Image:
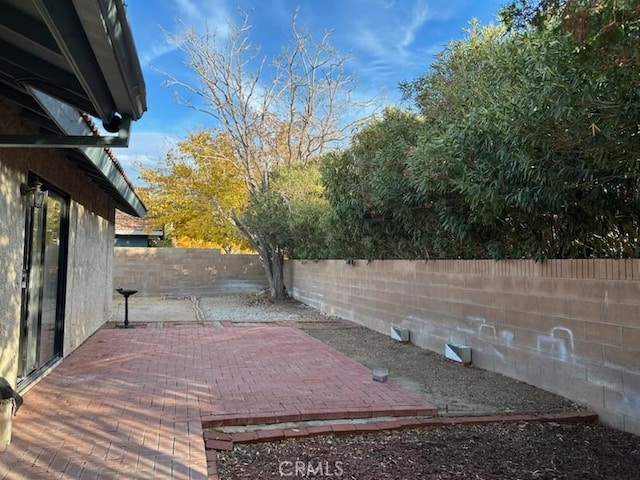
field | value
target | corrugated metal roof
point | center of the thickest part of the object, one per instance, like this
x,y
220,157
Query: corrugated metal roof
x,y
80,52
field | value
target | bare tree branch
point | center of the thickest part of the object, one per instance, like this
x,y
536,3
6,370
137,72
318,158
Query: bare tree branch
x,y
283,112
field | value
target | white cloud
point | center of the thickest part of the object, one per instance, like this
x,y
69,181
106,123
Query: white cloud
x,y
419,16
203,14
397,40
197,14
389,36
146,149
148,56
189,8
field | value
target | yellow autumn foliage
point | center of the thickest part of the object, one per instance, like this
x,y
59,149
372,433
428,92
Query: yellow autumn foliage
x,y
194,190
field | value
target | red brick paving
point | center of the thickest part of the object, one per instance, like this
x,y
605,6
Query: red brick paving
x,y
130,403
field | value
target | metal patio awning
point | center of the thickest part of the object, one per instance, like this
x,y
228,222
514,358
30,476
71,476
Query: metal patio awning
x,y
80,53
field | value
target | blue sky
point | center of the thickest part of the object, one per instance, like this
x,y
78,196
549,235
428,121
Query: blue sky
x,y
388,41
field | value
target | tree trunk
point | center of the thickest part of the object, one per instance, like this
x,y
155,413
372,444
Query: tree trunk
x,y
278,290
272,260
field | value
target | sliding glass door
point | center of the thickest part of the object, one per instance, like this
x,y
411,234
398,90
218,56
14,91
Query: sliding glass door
x,y
43,285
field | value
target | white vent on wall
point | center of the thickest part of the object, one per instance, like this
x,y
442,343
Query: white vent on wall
x,y
458,353
399,333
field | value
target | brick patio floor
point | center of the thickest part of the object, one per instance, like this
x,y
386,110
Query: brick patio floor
x,y
130,404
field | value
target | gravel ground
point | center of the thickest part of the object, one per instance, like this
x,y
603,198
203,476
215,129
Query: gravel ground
x,y
493,451
254,308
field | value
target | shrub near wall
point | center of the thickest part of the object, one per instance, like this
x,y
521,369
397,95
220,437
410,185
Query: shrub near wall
x,y
183,272
569,326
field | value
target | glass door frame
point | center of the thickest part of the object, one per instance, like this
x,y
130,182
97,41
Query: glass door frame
x,y
33,296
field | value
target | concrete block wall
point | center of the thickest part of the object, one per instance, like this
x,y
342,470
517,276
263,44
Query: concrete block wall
x,y
568,326
182,272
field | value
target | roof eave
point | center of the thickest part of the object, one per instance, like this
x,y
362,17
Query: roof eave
x,y
107,28
106,46
70,122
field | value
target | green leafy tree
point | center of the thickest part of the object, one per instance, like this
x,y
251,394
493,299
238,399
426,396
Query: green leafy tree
x,y
376,213
539,146
293,214
525,144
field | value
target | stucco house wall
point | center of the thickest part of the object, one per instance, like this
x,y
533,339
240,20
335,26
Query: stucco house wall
x,y
90,255
89,274
11,241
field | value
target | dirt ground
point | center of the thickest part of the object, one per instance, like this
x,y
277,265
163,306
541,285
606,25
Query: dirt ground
x,y
453,388
491,451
